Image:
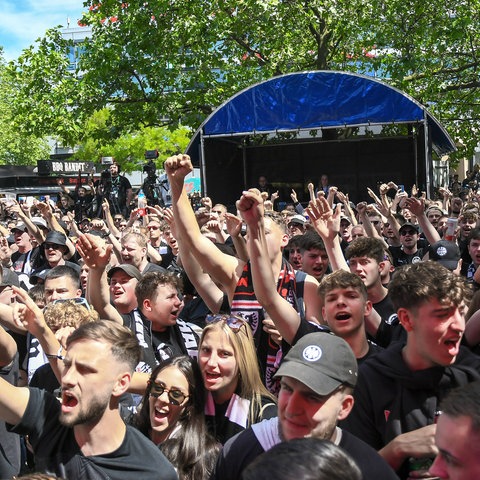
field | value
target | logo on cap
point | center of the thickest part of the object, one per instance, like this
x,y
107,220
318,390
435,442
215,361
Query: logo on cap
x,y
441,251
312,353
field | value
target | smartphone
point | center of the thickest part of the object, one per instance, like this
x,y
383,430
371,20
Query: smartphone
x,y
402,188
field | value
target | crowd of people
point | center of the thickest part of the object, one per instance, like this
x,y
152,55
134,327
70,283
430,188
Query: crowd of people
x,y
323,341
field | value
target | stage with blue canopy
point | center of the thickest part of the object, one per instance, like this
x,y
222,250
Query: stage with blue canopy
x,y
295,127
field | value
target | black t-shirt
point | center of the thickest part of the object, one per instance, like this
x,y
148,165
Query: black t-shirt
x,y
401,258
57,452
244,448
390,330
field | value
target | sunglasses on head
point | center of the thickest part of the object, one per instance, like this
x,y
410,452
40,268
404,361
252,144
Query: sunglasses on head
x,y
175,396
235,323
78,301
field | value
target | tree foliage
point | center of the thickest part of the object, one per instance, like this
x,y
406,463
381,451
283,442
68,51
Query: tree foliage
x,y
171,62
16,146
129,149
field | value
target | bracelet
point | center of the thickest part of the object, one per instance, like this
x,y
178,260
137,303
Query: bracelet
x,y
57,355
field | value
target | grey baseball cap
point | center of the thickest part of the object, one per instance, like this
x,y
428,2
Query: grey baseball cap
x,y
322,362
130,270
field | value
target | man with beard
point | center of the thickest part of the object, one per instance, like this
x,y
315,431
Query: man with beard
x,y
83,436
317,380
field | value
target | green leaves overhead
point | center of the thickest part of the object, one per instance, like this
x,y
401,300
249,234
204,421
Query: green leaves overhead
x,y
171,62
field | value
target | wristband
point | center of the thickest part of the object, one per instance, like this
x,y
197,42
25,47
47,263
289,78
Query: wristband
x,y
57,355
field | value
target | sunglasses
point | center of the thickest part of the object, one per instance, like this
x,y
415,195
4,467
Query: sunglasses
x,y
52,246
175,396
235,323
78,301
408,232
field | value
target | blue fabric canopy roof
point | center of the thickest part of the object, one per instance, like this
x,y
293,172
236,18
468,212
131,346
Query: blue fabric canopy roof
x,y
320,99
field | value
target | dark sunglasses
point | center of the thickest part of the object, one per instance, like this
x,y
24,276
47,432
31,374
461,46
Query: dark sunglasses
x,y
408,232
52,246
175,397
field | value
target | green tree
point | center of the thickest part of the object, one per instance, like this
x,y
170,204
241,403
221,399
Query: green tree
x,y
171,62
16,146
129,149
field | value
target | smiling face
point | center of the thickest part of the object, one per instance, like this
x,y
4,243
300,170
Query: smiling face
x,y
434,333
218,365
302,412
88,380
164,415
344,310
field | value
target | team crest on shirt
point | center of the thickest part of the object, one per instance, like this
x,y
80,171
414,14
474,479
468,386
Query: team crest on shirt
x,y
312,353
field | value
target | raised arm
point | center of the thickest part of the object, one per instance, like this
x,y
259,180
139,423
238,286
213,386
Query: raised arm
x,y
417,207
31,317
96,254
13,400
46,211
107,215
326,223
224,268
203,283
284,316
234,229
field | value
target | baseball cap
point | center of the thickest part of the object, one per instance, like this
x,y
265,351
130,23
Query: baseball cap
x,y
58,238
322,362
130,270
445,252
39,222
408,224
37,275
9,278
298,219
20,226
344,217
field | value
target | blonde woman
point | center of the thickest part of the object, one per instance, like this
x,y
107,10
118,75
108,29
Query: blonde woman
x,y
236,396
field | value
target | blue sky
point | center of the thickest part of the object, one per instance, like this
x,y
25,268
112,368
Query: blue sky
x,y
23,21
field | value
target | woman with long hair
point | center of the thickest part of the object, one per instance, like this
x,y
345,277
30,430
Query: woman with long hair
x,y
172,416
236,396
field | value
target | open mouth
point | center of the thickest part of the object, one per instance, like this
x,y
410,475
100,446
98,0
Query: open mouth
x,y
343,316
69,402
160,414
